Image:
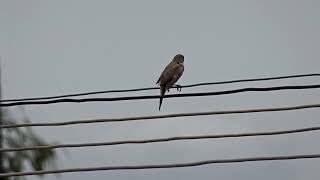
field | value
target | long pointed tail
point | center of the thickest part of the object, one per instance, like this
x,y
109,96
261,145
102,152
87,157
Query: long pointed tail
x,y
162,91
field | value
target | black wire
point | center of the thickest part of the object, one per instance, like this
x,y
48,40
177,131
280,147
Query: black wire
x,y
162,166
167,139
125,98
153,88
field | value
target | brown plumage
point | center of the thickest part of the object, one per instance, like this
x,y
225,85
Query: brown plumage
x,y
170,75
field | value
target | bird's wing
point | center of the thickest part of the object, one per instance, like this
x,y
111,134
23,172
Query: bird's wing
x,y
165,71
176,73
168,77
169,73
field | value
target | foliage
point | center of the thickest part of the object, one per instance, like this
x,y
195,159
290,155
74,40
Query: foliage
x,y
18,161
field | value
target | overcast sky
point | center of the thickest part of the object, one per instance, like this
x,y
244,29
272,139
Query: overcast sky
x,y
62,47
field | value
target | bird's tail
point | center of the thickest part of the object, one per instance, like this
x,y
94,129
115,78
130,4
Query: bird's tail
x,y
162,91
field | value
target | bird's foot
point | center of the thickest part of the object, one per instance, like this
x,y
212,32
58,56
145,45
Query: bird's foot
x,y
179,87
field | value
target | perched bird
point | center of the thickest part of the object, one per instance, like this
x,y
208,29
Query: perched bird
x,y
170,75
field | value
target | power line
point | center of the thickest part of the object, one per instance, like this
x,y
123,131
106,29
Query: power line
x,y
153,88
139,118
276,88
162,166
177,138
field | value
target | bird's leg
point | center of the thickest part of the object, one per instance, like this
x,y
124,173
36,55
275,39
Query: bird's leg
x,y
177,86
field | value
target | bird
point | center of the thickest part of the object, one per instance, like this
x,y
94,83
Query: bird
x,y
171,75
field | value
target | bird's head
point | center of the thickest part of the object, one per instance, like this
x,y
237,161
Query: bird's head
x,y
179,58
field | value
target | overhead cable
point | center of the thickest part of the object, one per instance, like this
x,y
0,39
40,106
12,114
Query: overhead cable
x,y
163,166
177,138
153,88
139,118
126,98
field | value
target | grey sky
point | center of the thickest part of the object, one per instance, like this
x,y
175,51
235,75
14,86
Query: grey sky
x,y
62,47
